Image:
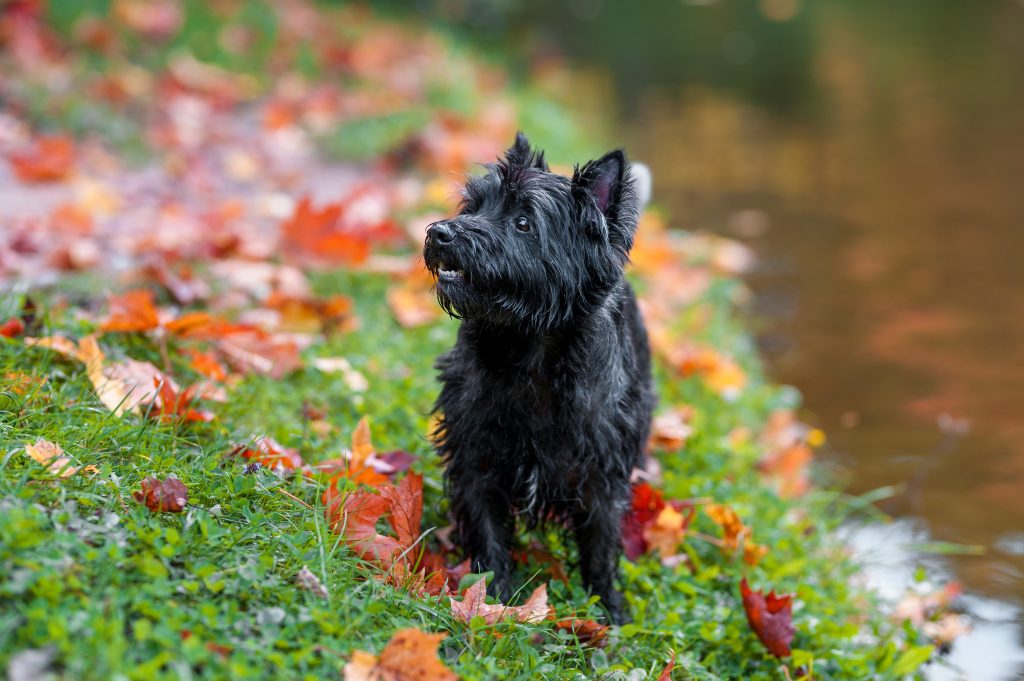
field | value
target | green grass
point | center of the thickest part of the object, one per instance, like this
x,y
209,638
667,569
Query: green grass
x,y
113,587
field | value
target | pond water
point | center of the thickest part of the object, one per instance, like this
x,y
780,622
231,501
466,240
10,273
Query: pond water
x,y
872,153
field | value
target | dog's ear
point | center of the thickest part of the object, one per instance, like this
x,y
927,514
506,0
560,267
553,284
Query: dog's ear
x,y
520,154
609,183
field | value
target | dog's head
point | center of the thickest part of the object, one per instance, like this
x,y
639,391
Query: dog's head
x,y
533,249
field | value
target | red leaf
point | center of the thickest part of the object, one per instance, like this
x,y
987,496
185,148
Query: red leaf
x,y
771,618
162,495
666,673
50,160
356,517
174,404
12,327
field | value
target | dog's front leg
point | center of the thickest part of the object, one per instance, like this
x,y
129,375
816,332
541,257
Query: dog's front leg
x,y
598,535
485,530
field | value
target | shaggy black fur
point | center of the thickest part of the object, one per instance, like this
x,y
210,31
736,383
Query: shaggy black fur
x,y
546,399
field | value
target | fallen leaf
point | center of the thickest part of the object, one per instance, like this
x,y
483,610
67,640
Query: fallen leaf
x,y
130,312
172,403
307,581
666,673
51,455
667,531
355,381
473,604
12,327
587,632
50,160
919,608
270,453
120,386
206,364
410,655
788,468
735,534
356,516
671,430
771,618
358,465
947,629
162,495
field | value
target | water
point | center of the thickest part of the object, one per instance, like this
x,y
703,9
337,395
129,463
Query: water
x,y
873,153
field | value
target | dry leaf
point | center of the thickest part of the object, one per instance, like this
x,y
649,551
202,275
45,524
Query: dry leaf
x,y
131,311
51,455
410,655
771,618
50,160
169,495
473,604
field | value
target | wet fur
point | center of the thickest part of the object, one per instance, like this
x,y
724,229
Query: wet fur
x,y
546,396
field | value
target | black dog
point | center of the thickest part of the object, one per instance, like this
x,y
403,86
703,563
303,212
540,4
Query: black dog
x,y
546,400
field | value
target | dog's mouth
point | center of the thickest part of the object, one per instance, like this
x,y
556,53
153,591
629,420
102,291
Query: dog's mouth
x,y
450,273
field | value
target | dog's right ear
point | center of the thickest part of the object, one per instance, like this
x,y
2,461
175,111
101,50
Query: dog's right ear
x,y
608,183
520,154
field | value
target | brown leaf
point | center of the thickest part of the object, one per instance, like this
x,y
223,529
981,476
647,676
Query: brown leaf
x,y
587,632
172,403
162,495
131,311
771,618
473,604
410,655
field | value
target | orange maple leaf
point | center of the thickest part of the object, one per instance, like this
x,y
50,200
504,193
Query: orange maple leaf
x,y
410,655
356,516
131,311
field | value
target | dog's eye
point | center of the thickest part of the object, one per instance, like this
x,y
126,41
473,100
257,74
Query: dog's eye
x,y
522,224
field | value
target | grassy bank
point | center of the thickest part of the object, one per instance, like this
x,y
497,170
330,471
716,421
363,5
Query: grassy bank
x,y
227,116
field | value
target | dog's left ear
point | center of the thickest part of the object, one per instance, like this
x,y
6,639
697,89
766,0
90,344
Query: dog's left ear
x,y
608,182
520,154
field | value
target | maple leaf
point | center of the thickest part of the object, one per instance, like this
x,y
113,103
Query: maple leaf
x,y
771,618
410,655
666,673
304,314
270,453
473,604
668,529
206,364
162,495
735,534
131,311
174,403
356,516
647,503
50,160
318,234
587,632
358,466
51,455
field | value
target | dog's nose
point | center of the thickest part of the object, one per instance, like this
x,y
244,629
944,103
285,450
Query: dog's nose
x,y
441,232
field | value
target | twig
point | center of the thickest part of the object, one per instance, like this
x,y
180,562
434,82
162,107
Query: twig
x,y
292,497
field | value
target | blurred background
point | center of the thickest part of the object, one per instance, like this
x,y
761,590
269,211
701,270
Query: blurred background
x,y
871,152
